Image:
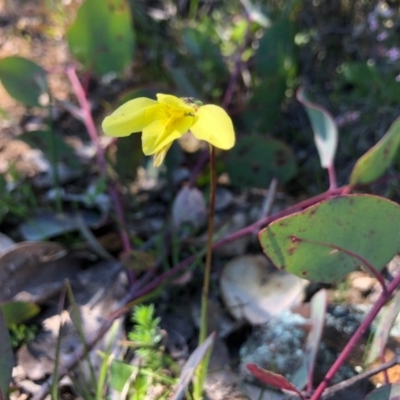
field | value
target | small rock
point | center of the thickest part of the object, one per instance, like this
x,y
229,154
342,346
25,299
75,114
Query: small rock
x,y
276,346
189,210
362,282
239,246
18,373
223,199
29,386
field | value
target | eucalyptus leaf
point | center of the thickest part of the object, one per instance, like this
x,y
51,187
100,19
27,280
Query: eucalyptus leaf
x,y
256,160
377,159
276,50
101,37
264,106
325,242
23,79
16,312
324,128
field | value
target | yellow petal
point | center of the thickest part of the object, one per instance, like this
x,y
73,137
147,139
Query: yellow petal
x,y
214,126
159,157
163,132
131,117
175,103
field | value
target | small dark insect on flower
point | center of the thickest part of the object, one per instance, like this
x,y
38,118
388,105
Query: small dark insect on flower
x,y
192,101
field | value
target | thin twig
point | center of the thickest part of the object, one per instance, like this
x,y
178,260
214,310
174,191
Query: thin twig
x,y
269,201
82,350
237,235
360,377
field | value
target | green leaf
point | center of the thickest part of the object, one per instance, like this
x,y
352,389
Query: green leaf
x,y
24,80
16,312
192,364
120,373
368,81
201,47
386,392
275,62
376,160
276,51
361,75
313,243
324,128
264,107
101,37
256,160
6,359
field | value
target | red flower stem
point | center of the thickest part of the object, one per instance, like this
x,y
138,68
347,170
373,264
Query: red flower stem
x,y
383,298
210,234
86,114
88,121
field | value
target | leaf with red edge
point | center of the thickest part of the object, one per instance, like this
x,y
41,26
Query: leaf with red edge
x,y
324,128
272,379
327,241
374,163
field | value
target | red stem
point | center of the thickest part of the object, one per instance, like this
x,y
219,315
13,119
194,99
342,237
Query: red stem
x,y
94,137
383,298
234,236
332,177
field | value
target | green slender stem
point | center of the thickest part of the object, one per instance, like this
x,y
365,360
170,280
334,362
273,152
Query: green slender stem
x,y
194,5
202,369
210,234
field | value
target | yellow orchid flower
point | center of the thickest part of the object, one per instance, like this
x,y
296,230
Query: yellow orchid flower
x,y
167,119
